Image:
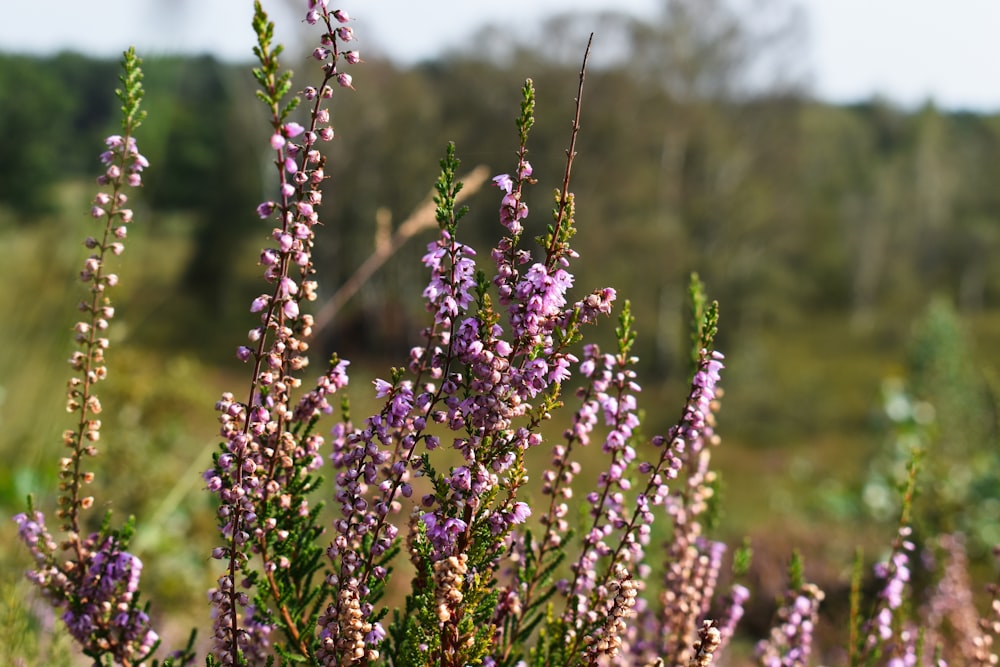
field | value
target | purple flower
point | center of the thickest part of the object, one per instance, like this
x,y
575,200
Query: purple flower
x,y
292,130
504,182
382,388
520,512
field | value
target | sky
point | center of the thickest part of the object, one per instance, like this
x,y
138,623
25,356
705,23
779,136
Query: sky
x,y
907,51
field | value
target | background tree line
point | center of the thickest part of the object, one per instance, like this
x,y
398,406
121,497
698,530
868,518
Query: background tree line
x,y
701,150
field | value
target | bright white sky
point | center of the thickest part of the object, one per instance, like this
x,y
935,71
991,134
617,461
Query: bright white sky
x,y
905,50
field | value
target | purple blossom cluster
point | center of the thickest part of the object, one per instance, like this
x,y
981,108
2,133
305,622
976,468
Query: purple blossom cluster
x,y
97,594
888,632
791,639
609,393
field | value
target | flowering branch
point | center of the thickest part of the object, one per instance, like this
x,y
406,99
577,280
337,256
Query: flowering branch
x,y
262,473
94,579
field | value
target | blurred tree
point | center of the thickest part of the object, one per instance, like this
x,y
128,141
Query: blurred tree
x,y
36,152
947,407
210,173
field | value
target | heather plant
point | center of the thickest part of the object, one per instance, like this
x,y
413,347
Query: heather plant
x,y
504,569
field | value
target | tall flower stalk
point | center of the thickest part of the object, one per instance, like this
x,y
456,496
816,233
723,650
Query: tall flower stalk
x,y
91,576
263,473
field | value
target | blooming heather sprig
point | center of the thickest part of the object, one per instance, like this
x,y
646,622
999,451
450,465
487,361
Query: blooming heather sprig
x,y
262,472
732,614
123,167
950,612
610,531
790,641
492,377
93,580
886,631
692,562
98,596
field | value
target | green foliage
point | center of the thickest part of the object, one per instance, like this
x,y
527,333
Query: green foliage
x,y
131,92
796,571
274,82
29,634
704,320
742,558
447,187
942,407
35,152
527,118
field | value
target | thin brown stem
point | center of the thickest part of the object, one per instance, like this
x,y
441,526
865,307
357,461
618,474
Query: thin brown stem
x,y
564,195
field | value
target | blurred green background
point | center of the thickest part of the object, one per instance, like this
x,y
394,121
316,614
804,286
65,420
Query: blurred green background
x,y
851,248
